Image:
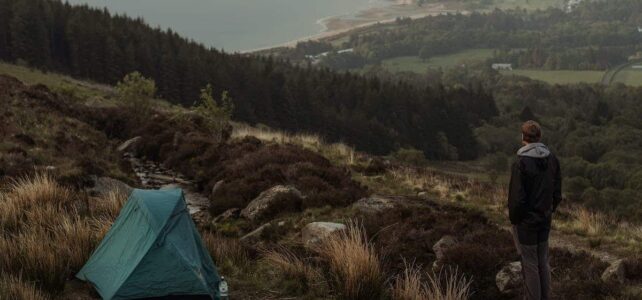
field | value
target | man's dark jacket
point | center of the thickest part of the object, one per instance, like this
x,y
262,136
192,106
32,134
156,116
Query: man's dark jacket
x,y
535,187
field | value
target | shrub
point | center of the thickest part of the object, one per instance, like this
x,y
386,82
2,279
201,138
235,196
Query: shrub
x,y
354,266
410,156
137,92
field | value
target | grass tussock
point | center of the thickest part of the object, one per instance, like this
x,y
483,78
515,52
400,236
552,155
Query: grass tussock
x,y
228,253
292,265
49,231
447,285
15,288
353,264
588,222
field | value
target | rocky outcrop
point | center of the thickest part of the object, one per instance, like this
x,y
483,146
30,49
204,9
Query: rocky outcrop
x,y
313,233
128,144
374,204
615,272
277,199
509,278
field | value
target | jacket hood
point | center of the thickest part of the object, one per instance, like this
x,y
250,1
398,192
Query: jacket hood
x,y
535,150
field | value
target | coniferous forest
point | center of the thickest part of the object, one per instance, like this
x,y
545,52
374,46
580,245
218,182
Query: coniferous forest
x,y
371,114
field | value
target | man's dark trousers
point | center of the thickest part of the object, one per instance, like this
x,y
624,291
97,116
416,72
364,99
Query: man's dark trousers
x,y
532,245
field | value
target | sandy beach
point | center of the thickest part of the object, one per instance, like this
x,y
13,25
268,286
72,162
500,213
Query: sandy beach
x,y
338,25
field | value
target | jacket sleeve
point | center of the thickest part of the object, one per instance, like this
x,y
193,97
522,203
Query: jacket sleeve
x,y
557,185
517,198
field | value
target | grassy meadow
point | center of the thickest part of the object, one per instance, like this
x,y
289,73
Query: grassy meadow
x,y
560,76
629,76
418,65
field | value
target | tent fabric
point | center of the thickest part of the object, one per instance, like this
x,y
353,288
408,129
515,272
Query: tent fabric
x,y
152,250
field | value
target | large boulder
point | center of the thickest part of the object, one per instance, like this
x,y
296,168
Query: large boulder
x,y
509,278
315,232
277,199
615,272
103,185
374,204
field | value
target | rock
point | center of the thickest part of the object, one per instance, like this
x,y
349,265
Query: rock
x,y
277,199
128,144
422,194
315,232
373,204
615,272
104,185
255,235
226,215
509,278
441,246
217,187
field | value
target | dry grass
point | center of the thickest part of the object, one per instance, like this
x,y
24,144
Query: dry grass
x,y
226,252
447,285
334,151
588,222
354,266
15,288
48,232
292,265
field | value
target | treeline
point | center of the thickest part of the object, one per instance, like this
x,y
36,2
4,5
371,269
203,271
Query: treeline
x,y
373,115
610,28
589,58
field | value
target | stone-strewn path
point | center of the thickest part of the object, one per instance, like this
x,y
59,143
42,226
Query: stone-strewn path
x,y
154,176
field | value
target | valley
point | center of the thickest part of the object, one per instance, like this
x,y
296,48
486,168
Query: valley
x,y
369,161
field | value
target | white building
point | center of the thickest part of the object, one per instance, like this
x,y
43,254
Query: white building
x,y
498,67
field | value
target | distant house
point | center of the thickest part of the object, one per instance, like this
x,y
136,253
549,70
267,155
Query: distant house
x,y
498,67
315,59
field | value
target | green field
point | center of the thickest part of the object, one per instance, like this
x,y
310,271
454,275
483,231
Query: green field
x,y
418,65
559,76
528,4
53,80
629,76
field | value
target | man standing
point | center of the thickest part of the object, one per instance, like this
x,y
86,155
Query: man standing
x,y
534,193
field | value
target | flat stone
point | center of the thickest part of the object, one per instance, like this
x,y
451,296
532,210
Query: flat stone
x,y
374,204
313,233
128,144
615,272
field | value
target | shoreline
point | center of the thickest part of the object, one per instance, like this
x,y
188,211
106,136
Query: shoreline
x,y
340,24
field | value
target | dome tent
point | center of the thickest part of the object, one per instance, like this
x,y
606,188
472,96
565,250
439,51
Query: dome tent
x,y
152,250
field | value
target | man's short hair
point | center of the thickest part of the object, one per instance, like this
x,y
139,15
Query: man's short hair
x,y
531,131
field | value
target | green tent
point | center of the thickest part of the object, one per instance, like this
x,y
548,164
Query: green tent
x,y
152,250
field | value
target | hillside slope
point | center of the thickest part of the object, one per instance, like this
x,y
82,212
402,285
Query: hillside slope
x,y
401,211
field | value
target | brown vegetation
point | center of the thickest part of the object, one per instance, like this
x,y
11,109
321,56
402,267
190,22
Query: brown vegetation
x,y
48,232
